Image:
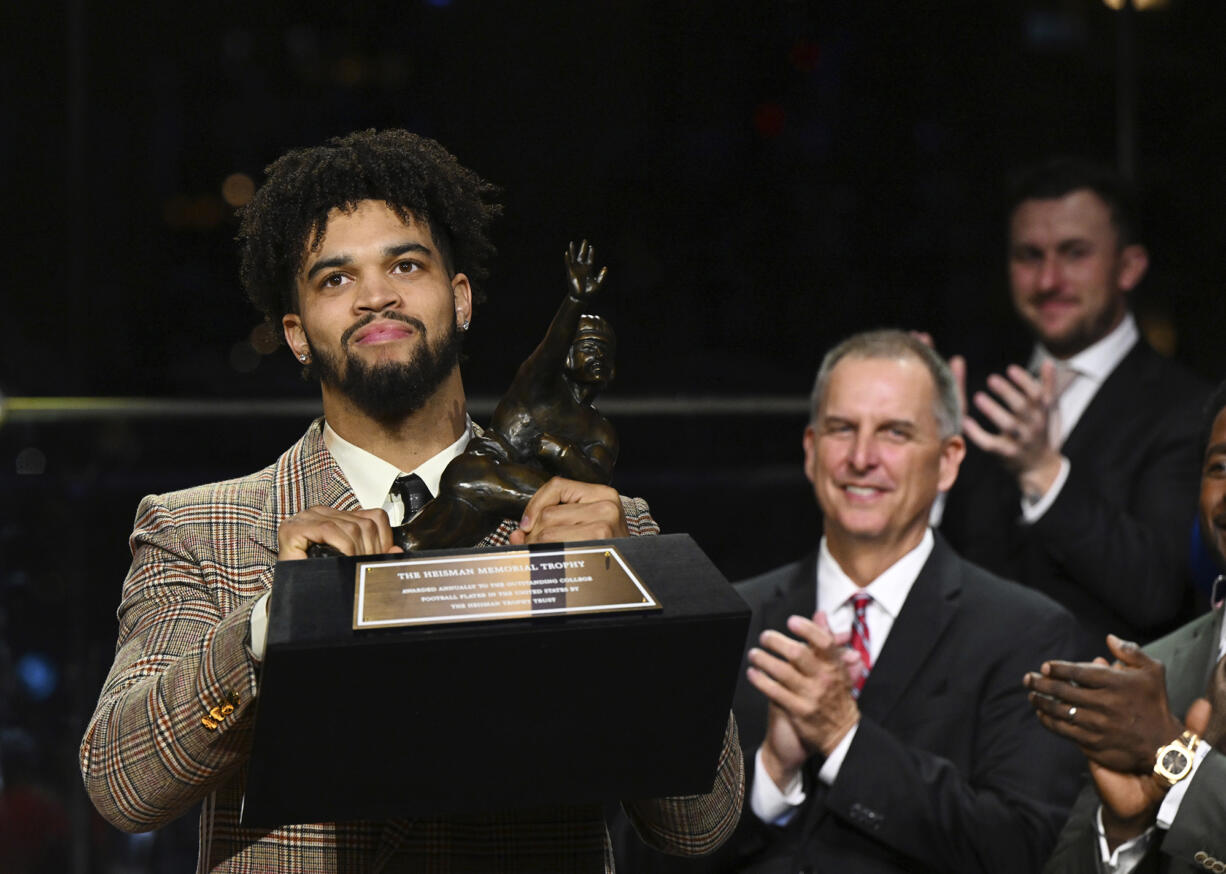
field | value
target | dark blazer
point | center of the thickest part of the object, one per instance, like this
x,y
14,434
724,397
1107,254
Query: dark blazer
x,y
1189,655
949,770
1113,547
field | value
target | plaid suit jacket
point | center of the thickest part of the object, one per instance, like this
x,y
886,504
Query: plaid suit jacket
x,y
173,723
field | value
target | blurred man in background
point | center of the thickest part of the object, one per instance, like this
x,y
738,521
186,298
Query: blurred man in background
x,y
1083,482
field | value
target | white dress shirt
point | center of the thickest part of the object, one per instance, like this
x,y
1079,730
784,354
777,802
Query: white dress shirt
x,y
1090,367
371,479
834,590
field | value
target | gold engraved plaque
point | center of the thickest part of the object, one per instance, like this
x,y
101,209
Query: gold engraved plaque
x,y
503,585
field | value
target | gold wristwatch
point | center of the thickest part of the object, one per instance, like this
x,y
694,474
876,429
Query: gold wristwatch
x,y
1174,760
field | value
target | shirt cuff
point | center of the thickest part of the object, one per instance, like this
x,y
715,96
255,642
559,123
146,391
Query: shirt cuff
x,y
259,627
1170,804
1033,510
1127,855
768,803
830,768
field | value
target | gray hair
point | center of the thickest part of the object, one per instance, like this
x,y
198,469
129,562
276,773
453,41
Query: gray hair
x,y
892,343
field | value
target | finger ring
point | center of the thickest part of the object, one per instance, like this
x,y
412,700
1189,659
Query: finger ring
x,y
1014,434
1072,714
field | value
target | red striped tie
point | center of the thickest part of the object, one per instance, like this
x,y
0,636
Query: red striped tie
x,y
860,637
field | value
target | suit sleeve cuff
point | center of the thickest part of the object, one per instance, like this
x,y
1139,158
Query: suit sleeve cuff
x,y
1170,804
259,627
1127,855
768,803
1033,509
829,770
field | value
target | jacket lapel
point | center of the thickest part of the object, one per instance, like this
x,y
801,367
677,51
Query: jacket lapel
x,y
795,596
1118,392
928,609
1211,650
306,475
1190,663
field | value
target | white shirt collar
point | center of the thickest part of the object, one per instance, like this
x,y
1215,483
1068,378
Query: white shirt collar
x,y
1098,360
371,477
889,590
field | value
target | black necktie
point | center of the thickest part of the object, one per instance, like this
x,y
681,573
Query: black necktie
x,y
412,492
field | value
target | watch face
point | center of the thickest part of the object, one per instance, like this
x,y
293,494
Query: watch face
x,y
1174,762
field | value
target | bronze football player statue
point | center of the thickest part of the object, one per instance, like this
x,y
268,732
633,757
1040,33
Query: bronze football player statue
x,y
544,426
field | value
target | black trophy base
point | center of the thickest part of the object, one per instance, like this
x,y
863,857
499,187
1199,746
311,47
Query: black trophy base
x,y
484,716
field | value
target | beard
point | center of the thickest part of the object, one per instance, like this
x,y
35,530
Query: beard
x,y
391,391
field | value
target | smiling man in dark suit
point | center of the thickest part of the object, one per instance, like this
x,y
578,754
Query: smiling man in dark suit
x,y
889,732
1083,484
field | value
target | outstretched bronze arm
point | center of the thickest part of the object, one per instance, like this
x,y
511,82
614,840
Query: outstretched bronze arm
x,y
583,284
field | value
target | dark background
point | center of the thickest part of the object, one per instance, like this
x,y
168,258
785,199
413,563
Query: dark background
x,y
761,178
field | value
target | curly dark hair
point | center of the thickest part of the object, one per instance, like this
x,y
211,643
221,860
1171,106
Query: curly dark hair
x,y
414,175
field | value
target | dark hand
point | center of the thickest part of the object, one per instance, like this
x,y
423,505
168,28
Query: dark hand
x,y
1121,714
565,510
583,285
360,532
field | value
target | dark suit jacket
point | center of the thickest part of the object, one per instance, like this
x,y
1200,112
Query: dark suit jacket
x,y
949,770
1200,826
1113,547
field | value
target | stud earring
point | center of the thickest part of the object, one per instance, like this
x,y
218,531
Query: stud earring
x,y
302,357
464,327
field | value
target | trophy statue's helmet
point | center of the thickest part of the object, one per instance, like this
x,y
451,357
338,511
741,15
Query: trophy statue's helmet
x,y
598,327
591,351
